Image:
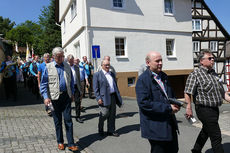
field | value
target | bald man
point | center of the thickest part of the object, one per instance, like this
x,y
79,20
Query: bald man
x,y
157,115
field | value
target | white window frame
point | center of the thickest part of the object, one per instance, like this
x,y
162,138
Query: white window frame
x,y
194,27
196,46
64,26
125,48
173,43
73,9
77,50
213,46
172,8
117,7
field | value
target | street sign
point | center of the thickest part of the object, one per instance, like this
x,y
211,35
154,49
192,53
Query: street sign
x,y
96,51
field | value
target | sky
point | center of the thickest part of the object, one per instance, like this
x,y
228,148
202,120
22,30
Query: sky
x,y
21,10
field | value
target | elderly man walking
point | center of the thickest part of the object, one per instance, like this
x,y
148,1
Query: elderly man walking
x,y
157,115
57,88
206,88
107,96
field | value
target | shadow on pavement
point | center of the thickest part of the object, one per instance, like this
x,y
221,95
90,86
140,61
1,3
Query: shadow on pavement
x,y
24,97
129,128
89,116
91,107
226,147
128,114
90,139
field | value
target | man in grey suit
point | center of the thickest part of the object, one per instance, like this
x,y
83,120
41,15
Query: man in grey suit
x,y
107,96
77,86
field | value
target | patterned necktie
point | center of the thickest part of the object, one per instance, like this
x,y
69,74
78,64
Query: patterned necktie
x,y
158,79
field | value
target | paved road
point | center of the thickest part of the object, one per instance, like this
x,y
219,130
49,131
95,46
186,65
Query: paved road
x,y
25,128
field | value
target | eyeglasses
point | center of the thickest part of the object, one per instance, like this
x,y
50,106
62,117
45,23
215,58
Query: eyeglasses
x,y
59,56
106,64
210,58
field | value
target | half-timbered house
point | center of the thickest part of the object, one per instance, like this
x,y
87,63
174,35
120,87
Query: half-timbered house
x,y
209,34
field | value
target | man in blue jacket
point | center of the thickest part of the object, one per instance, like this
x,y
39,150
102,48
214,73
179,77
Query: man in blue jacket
x,y
107,96
157,120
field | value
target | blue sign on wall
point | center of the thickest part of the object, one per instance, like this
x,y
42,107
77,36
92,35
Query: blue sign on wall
x,y
96,51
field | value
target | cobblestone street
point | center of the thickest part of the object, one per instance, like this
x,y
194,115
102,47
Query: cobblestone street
x,y
26,128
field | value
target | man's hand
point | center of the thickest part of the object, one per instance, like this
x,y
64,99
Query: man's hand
x,y
175,108
47,101
100,102
188,98
189,111
87,83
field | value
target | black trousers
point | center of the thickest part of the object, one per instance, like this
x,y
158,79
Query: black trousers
x,y
77,102
165,146
10,86
209,117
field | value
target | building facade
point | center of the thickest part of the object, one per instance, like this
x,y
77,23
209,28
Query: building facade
x,y
127,30
209,34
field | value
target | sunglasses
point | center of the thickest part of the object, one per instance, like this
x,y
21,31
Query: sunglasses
x,y
210,58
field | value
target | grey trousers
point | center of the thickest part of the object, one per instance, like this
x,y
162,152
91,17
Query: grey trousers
x,y
109,113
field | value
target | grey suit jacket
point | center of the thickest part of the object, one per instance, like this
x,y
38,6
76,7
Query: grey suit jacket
x,y
102,89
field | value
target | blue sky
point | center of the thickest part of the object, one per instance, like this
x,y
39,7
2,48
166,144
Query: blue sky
x,y
221,10
22,10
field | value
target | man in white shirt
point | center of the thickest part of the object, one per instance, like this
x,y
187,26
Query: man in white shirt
x,y
107,98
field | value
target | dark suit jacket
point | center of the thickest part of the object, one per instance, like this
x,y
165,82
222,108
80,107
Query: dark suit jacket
x,y
102,89
156,117
76,68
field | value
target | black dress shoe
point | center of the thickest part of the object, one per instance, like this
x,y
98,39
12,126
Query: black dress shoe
x,y
115,134
79,120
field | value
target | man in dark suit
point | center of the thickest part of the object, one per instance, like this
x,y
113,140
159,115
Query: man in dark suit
x,y
77,86
157,119
107,96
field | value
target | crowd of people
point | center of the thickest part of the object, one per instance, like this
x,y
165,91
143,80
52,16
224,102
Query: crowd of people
x,y
61,81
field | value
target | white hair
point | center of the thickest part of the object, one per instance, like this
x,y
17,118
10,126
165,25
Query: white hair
x,y
70,56
57,50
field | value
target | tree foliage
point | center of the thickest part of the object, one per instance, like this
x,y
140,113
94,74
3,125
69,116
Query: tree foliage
x,y
43,36
51,31
20,34
5,25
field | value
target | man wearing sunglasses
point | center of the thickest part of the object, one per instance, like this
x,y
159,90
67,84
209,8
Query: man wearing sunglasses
x,y
207,91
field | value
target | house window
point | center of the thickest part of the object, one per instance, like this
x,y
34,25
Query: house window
x,y
131,81
77,50
196,46
74,9
118,3
196,25
213,45
120,46
168,6
170,47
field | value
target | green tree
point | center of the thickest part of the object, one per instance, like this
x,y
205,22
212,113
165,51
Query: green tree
x,y
20,34
51,36
5,25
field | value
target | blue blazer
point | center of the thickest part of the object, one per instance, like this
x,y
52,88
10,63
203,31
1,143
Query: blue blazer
x,y
156,118
102,89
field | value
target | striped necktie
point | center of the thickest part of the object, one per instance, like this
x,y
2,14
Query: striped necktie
x,y
161,84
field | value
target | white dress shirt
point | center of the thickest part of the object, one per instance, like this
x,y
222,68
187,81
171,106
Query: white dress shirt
x,y
110,80
74,74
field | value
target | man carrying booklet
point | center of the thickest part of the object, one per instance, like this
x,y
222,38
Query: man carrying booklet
x,y
157,115
206,89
